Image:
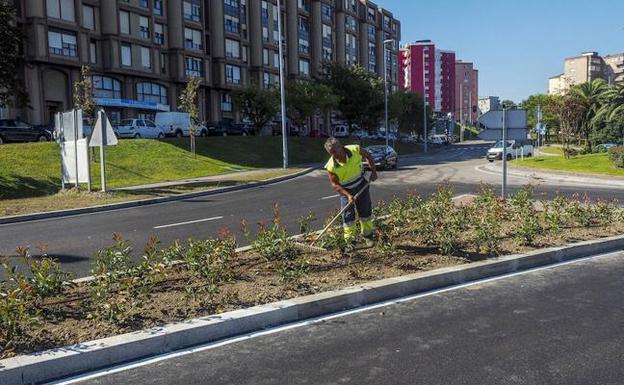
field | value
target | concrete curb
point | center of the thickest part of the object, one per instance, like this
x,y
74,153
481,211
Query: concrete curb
x,y
106,352
149,201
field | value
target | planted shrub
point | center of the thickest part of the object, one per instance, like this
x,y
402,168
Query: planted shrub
x,y
525,223
554,213
580,212
487,216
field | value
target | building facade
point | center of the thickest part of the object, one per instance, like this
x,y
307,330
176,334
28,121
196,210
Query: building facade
x,y
488,103
587,67
428,71
142,52
467,91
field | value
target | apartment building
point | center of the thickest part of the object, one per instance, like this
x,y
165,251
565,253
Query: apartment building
x,y
429,71
488,103
467,91
141,52
585,68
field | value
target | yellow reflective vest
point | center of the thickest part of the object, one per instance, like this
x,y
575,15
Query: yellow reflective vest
x,y
349,174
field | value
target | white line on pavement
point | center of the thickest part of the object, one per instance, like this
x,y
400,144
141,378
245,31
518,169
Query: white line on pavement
x,y
213,345
330,197
188,223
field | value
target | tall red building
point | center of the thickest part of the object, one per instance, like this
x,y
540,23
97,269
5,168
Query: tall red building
x,y
429,71
467,91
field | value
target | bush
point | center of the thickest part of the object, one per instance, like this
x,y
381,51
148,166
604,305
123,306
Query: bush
x,y
487,216
525,220
616,154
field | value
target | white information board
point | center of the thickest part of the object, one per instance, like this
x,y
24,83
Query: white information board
x,y
69,161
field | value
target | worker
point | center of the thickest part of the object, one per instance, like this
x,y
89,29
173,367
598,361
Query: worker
x,y
346,176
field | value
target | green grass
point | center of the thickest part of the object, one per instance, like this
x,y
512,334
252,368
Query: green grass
x,y
555,150
33,169
584,164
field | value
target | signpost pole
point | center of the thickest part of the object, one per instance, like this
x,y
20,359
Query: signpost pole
x,y
75,113
102,156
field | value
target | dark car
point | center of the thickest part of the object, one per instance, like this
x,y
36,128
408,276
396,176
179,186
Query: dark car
x,y
15,130
225,128
385,157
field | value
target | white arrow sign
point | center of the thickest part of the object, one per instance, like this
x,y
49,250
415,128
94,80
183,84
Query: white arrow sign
x,y
103,134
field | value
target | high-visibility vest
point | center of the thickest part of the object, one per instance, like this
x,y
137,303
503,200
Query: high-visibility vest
x,y
350,174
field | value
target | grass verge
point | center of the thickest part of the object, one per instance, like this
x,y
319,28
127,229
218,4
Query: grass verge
x,y
598,164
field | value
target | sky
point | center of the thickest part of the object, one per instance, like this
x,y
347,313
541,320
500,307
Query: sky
x,y
515,44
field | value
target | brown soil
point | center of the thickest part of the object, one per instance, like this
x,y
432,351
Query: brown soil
x,y
64,320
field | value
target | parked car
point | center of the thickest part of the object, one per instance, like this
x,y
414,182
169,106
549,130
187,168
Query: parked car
x,y
513,149
15,130
226,127
176,124
341,131
384,156
139,128
439,139
604,147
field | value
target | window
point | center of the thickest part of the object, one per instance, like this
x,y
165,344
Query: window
x,y
146,57
151,92
61,9
350,5
193,67
230,7
350,23
232,24
126,55
88,19
304,35
232,49
304,67
163,63
192,39
232,74
276,59
327,12
124,22
265,57
159,34
266,79
144,31
93,52
143,3
226,103
192,10
303,4
62,43
372,32
158,7
106,87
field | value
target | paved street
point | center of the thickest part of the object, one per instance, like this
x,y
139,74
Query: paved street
x,y
558,325
74,239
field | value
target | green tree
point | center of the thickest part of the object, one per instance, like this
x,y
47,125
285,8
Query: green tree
x,y
590,95
259,105
509,104
11,60
546,103
189,104
569,108
406,108
83,93
360,94
305,98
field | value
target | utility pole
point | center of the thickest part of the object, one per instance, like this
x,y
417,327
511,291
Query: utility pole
x,y
282,91
424,102
504,156
385,59
461,112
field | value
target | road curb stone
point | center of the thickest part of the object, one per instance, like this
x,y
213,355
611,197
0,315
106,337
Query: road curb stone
x,y
106,352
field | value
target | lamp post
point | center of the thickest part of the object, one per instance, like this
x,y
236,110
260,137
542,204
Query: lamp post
x,y
504,154
282,92
386,88
424,102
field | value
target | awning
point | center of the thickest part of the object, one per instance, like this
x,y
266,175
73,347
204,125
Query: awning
x,y
129,103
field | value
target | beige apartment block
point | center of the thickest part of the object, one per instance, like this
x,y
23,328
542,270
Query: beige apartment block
x,y
142,52
585,68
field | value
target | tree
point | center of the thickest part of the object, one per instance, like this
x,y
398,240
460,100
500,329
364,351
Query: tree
x,y
11,89
590,96
569,108
189,104
305,98
545,102
83,93
360,94
259,105
509,104
407,109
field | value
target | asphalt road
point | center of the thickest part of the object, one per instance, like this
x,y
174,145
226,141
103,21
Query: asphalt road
x,y
559,325
73,240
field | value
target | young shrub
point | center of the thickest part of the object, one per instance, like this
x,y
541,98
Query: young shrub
x,y
487,215
387,246
554,213
524,219
210,261
305,223
580,212
438,222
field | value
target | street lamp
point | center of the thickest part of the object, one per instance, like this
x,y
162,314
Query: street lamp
x,y
504,154
386,87
282,92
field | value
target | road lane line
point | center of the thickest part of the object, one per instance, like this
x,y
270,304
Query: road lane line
x,y
330,197
188,223
312,321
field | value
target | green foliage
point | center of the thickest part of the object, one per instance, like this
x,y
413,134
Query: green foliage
x,y
546,103
11,61
15,314
211,261
616,155
407,109
554,213
525,221
305,98
305,222
487,216
580,212
257,104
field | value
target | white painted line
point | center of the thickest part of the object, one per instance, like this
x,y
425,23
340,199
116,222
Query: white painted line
x,y
213,345
188,223
330,197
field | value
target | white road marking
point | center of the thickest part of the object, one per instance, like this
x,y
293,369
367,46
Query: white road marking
x,y
188,223
330,197
312,321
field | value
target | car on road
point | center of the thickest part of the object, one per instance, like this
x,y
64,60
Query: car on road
x,y
384,156
604,147
514,149
139,128
439,139
15,130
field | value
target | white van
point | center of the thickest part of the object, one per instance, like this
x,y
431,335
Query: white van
x,y
341,131
176,124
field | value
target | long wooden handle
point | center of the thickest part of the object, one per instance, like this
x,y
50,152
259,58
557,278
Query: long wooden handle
x,y
339,214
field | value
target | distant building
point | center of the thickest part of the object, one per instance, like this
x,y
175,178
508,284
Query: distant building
x,y
466,91
585,68
439,74
488,103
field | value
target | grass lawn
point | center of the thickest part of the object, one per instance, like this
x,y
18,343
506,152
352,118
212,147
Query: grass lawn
x,y
555,150
585,164
33,169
